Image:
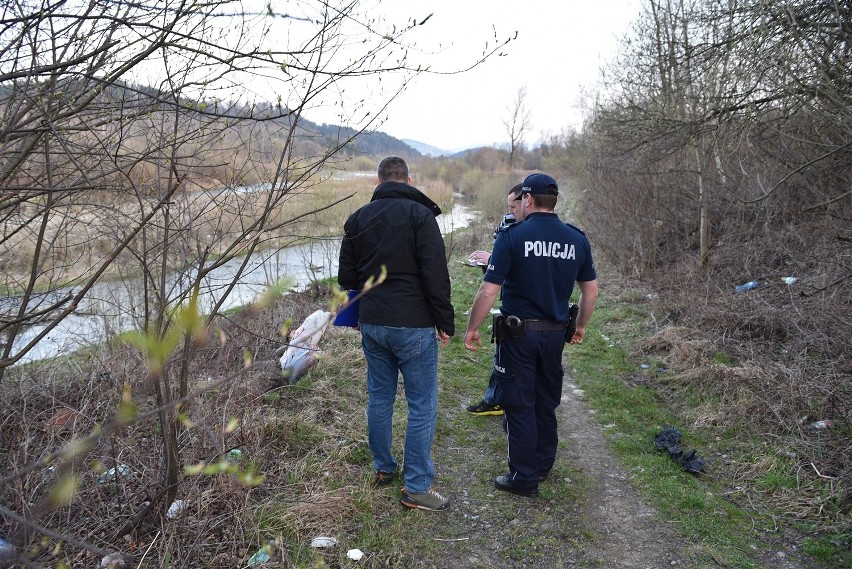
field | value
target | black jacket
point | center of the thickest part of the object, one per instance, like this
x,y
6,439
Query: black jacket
x,y
397,229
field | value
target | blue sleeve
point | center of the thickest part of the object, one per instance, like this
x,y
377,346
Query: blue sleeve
x,y
501,260
587,269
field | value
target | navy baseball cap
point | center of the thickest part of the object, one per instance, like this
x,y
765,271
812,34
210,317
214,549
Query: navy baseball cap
x,y
540,184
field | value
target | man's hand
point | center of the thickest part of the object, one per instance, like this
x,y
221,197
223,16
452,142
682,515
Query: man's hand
x,y
472,341
444,338
578,336
588,298
482,304
480,257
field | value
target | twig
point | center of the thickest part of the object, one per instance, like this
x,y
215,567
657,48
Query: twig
x,y
450,539
153,541
829,202
826,287
796,171
54,534
821,475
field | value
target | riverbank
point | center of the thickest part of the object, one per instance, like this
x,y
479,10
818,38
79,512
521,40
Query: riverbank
x,y
112,305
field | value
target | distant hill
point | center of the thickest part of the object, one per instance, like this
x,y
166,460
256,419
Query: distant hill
x,y
286,128
373,143
426,149
313,137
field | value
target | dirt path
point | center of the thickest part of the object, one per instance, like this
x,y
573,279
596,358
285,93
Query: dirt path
x,y
587,516
629,533
625,532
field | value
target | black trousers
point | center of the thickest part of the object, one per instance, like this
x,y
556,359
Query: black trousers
x,y
529,387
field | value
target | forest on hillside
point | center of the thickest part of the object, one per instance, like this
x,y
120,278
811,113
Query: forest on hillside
x,y
716,154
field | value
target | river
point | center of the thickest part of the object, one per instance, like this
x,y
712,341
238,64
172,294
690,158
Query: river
x,y
110,307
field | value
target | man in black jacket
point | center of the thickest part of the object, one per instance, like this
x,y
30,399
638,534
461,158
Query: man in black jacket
x,y
400,322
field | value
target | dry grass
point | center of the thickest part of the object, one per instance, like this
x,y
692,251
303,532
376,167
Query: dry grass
x,y
303,440
308,440
78,236
759,412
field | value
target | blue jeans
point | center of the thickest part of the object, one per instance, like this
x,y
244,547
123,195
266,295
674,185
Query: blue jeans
x,y
414,352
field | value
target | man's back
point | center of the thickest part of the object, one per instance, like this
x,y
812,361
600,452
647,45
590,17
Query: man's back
x,y
397,230
396,233
537,262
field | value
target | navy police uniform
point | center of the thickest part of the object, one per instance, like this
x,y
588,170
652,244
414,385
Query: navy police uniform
x,y
536,263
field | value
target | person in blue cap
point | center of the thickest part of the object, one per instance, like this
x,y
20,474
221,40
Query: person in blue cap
x,y
537,264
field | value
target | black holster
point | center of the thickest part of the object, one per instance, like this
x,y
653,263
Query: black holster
x,y
573,310
498,328
506,327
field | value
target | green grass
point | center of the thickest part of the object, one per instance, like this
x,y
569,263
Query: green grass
x,y
696,505
310,442
722,358
717,526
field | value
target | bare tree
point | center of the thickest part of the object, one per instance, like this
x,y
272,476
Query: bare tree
x,y
517,123
721,153
115,116
702,82
165,140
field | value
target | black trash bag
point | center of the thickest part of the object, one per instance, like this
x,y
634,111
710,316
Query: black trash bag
x,y
691,462
669,440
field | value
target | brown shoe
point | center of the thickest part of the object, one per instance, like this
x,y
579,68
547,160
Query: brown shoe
x,y
384,478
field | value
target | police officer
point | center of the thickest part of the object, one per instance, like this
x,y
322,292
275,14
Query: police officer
x,y
537,263
488,406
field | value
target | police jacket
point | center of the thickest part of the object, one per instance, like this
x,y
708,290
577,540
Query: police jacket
x,y
398,229
537,263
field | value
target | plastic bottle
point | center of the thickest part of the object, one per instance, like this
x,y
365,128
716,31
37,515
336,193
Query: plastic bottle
x,y
7,550
175,509
110,475
747,286
259,558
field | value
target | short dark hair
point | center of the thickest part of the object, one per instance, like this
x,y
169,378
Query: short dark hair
x,y
516,189
544,201
393,169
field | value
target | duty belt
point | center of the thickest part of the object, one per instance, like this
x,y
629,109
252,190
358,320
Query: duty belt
x,y
513,327
544,325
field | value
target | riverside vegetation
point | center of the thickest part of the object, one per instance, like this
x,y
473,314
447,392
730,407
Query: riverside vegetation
x,y
304,471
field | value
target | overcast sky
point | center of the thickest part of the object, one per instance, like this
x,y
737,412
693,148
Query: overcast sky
x,y
560,46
